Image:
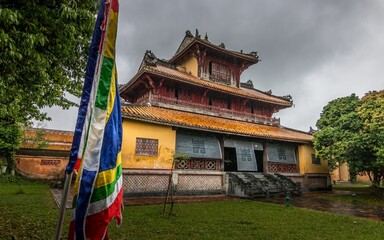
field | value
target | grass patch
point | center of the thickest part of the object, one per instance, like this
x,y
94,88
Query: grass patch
x,y
33,215
354,187
26,211
242,219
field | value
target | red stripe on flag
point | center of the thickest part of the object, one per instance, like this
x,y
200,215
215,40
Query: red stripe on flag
x,y
71,232
77,165
97,225
115,6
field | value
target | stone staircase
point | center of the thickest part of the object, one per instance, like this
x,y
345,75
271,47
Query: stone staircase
x,y
252,185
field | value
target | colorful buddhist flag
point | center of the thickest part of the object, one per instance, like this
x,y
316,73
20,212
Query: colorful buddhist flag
x,y
96,147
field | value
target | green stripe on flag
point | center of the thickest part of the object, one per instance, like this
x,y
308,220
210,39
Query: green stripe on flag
x,y
104,83
104,191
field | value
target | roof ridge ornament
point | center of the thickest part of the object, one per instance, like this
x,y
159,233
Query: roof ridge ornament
x,y
149,58
197,35
188,33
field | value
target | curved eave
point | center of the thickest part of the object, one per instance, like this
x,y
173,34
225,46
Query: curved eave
x,y
131,82
213,124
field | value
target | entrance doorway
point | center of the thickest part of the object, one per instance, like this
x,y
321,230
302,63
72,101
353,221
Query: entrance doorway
x,y
230,161
259,160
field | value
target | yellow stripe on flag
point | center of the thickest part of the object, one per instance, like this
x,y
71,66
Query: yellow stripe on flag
x,y
111,35
112,93
106,177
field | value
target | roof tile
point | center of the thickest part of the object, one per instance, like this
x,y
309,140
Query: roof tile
x,y
213,124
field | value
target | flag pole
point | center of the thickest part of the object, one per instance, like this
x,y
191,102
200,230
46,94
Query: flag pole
x,y
63,204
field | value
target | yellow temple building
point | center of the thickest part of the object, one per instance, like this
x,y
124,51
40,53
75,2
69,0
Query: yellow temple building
x,y
195,104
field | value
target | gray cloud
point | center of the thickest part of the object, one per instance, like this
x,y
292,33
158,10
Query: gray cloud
x,y
313,50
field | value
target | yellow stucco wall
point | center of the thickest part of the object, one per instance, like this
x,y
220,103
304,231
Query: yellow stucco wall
x,y
166,145
341,173
305,152
41,167
191,65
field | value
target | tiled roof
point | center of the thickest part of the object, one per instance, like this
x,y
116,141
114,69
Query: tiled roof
x,y
188,41
188,78
51,139
212,124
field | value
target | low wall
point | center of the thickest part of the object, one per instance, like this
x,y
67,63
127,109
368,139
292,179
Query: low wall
x,y
139,183
41,167
312,181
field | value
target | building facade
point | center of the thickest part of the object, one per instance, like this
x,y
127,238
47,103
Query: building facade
x,y
195,105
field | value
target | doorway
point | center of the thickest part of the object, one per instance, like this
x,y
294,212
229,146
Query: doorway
x,y
259,160
230,160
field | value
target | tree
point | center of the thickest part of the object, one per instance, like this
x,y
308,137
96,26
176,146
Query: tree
x,y
366,151
338,125
352,130
43,53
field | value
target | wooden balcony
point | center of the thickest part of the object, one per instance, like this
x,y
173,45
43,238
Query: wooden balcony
x,y
178,104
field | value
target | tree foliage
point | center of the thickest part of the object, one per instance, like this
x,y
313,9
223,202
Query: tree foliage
x,y
352,130
366,152
338,125
43,53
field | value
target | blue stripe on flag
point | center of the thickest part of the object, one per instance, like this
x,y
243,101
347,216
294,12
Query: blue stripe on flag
x,y
112,137
85,190
88,82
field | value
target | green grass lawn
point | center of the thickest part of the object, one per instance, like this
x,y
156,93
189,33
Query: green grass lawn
x,y
355,187
33,215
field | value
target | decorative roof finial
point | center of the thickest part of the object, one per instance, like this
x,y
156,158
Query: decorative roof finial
x,y
253,53
206,36
188,33
150,58
222,45
197,33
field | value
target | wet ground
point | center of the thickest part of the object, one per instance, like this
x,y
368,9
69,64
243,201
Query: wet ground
x,y
313,200
310,200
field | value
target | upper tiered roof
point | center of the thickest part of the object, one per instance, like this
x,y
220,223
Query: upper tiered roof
x,y
162,68
190,41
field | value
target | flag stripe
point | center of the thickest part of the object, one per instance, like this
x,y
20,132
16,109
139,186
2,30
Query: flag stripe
x,y
112,140
112,93
86,185
106,190
108,176
111,36
104,83
95,227
101,205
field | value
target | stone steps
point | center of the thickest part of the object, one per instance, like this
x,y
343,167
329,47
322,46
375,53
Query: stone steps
x,y
250,185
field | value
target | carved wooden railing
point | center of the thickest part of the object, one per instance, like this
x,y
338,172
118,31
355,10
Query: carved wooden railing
x,y
224,112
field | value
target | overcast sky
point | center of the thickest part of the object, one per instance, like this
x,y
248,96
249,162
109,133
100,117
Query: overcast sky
x,y
315,51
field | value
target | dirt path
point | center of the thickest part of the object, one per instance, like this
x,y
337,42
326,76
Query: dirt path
x,y
312,201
